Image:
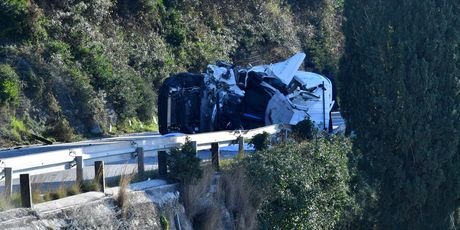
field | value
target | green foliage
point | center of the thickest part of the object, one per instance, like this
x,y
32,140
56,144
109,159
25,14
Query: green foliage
x,y
9,85
5,204
61,130
14,15
302,186
304,130
260,141
57,47
18,129
134,125
90,186
164,222
73,190
184,165
98,63
400,95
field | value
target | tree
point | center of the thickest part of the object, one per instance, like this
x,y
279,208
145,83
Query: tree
x,y
399,88
302,185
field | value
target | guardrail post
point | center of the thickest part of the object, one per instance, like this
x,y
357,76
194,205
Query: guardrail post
x,y
26,192
215,155
194,147
140,161
8,182
240,147
162,164
99,174
283,135
79,162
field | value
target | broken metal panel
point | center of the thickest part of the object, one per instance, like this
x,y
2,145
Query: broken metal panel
x,y
284,70
316,97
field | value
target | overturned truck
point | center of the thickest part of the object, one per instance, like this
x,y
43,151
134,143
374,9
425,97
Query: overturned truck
x,y
228,97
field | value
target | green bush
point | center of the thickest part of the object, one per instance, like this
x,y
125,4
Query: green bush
x,y
304,130
78,50
10,85
14,15
303,185
58,47
61,130
260,141
18,129
184,165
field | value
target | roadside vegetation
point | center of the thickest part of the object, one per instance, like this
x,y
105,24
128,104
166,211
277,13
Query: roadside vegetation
x,y
401,97
75,69
78,69
303,183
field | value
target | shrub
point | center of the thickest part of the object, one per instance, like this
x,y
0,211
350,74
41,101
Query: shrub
x,y
260,141
61,130
9,84
90,186
58,47
304,130
58,194
184,165
301,186
14,16
18,129
73,190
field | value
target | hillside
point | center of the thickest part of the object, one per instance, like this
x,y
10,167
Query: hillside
x,y
73,69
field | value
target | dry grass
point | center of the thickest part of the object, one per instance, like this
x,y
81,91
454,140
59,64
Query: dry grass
x,y
9,203
190,193
122,198
36,194
74,190
208,219
235,191
5,204
201,208
206,200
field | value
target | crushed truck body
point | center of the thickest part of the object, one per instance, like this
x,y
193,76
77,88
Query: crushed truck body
x,y
228,97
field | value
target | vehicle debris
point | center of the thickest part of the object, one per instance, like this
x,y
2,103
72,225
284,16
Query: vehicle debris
x,y
229,97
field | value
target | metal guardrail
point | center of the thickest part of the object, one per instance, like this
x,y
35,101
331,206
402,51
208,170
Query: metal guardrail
x,y
110,152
